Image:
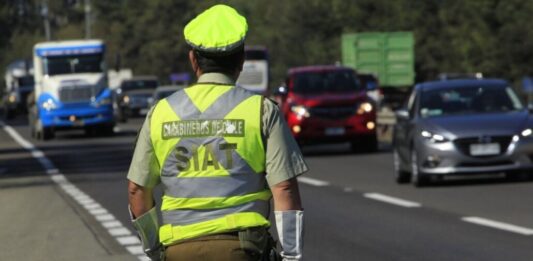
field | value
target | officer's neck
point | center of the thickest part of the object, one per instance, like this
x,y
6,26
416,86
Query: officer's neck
x,y
216,77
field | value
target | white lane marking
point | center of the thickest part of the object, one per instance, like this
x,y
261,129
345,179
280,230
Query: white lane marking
x,y
119,231
98,211
348,189
111,224
114,227
128,240
313,182
104,217
143,258
135,250
499,225
392,200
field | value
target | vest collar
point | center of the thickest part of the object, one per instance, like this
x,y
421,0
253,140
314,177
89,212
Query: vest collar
x,y
219,78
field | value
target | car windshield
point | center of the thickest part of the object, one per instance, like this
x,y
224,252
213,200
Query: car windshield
x,y
139,84
73,64
324,82
468,100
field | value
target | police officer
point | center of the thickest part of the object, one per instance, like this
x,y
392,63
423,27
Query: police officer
x,y
221,153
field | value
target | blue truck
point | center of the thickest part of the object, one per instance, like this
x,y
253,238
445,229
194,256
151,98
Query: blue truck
x,y
71,89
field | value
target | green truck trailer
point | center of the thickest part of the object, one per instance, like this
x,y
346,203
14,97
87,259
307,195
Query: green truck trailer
x,y
389,55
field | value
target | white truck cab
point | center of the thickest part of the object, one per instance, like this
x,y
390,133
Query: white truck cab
x,y
71,88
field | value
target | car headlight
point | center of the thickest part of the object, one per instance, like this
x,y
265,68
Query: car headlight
x,y
49,105
126,99
12,98
526,133
301,111
435,138
365,107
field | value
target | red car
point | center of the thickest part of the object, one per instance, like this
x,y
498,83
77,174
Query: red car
x,y
326,104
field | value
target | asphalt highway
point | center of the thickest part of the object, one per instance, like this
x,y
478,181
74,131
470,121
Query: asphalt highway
x,y
353,208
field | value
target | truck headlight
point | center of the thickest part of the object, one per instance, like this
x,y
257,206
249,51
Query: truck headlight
x,y
435,138
126,99
300,111
365,107
49,105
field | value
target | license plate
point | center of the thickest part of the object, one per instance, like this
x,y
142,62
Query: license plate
x,y
334,131
485,149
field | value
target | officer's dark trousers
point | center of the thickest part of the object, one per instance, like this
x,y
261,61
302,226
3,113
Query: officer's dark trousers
x,y
223,247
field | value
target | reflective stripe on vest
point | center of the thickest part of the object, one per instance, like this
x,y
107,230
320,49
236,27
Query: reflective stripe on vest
x,y
207,140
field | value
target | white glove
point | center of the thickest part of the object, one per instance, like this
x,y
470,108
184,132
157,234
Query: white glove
x,y
147,226
290,232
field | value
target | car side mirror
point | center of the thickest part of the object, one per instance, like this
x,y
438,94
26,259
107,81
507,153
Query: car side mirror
x,y
402,114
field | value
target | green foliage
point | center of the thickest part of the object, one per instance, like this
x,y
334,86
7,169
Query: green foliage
x,y
490,36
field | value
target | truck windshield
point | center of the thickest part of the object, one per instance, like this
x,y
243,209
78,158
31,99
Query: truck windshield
x,y
324,82
468,100
73,64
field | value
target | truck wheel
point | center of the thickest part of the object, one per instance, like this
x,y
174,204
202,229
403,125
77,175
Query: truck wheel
x,y
106,130
41,132
47,133
31,122
99,130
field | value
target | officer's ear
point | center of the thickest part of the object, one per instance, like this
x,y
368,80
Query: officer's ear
x,y
194,63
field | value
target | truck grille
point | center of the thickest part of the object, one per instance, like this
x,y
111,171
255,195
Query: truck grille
x,y
463,144
78,93
333,112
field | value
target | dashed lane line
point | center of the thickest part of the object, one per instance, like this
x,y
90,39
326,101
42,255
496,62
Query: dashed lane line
x,y
113,226
499,225
313,182
392,200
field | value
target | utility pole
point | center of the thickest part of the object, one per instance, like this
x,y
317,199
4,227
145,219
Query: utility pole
x,y
87,19
46,18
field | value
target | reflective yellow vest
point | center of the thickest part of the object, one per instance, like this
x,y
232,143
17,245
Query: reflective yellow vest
x,y
208,143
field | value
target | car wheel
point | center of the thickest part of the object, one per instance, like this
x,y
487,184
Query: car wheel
x,y
8,113
400,176
418,178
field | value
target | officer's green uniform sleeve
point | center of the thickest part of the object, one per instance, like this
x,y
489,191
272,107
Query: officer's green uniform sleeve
x,y
144,168
283,157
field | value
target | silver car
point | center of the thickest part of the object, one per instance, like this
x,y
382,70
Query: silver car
x,y
461,127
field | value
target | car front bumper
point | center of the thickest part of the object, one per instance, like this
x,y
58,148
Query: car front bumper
x,y
448,158
318,130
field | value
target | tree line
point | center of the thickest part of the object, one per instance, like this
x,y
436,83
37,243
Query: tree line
x,y
490,36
